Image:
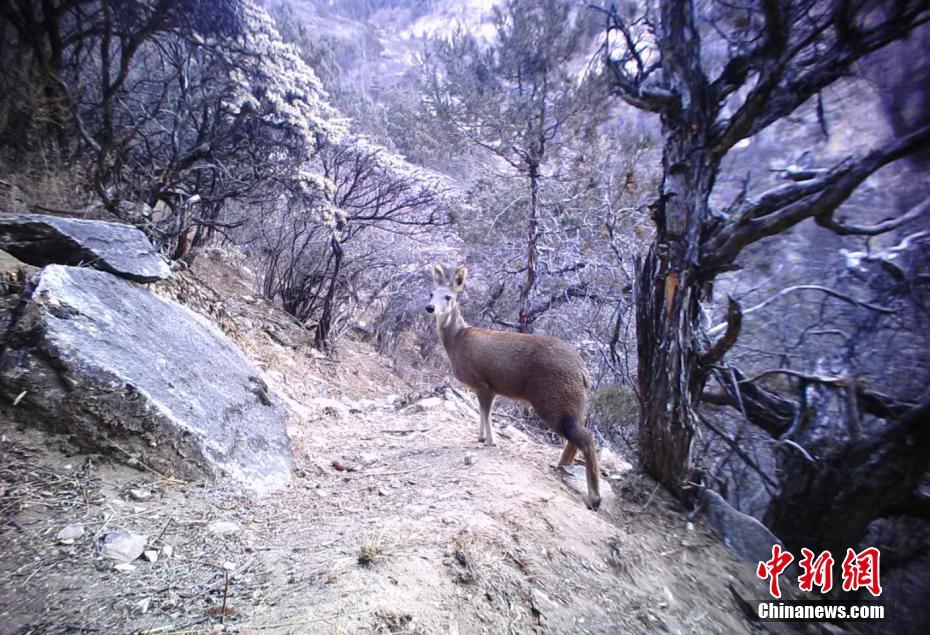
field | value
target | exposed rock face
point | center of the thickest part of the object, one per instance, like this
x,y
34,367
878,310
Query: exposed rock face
x,y
120,249
13,278
13,273
119,368
749,539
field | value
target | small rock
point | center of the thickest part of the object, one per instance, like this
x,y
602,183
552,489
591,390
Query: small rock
x,y
330,407
150,554
613,465
168,551
222,527
144,605
363,405
428,403
123,546
69,533
541,602
382,491
124,567
338,466
229,566
469,459
367,459
140,494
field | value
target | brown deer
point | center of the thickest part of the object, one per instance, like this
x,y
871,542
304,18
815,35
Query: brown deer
x,y
541,370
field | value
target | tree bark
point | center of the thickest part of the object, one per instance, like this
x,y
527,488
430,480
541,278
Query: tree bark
x,y
524,323
321,338
666,311
829,503
670,284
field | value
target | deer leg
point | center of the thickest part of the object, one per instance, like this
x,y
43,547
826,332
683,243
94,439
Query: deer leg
x,y
577,436
568,454
481,433
593,473
485,401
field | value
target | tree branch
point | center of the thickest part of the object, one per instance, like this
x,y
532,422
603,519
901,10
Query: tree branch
x,y
762,408
871,402
801,71
873,230
806,287
739,451
633,88
815,198
734,323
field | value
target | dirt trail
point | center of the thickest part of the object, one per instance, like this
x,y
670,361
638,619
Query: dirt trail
x,y
398,520
412,540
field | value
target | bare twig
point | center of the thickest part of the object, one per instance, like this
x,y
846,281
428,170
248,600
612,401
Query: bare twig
x,y
739,452
416,469
717,328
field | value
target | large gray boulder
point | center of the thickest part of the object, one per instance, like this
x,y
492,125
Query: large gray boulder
x,y
120,249
746,537
121,369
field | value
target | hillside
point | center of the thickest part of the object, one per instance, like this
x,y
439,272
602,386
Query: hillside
x,y
223,407
397,520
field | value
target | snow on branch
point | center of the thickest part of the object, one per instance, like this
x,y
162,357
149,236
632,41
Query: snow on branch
x,y
806,287
787,205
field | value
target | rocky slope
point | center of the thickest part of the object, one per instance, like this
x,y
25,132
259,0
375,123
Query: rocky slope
x,y
397,520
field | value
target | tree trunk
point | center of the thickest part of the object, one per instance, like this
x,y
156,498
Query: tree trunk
x,y
829,497
670,380
670,289
321,338
531,240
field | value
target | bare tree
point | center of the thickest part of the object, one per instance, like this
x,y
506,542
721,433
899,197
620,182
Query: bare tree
x,y
312,243
780,54
514,98
173,111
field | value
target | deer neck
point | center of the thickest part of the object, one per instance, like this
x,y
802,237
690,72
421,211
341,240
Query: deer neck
x,y
451,326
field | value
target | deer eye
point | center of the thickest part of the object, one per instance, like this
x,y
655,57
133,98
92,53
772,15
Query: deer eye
x,y
448,297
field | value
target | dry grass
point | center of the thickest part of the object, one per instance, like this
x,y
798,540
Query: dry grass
x,y
476,559
371,549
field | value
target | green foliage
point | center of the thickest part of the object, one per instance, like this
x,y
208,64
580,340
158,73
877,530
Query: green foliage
x,y
617,404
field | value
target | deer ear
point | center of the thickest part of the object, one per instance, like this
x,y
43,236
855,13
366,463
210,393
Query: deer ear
x,y
439,275
458,278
